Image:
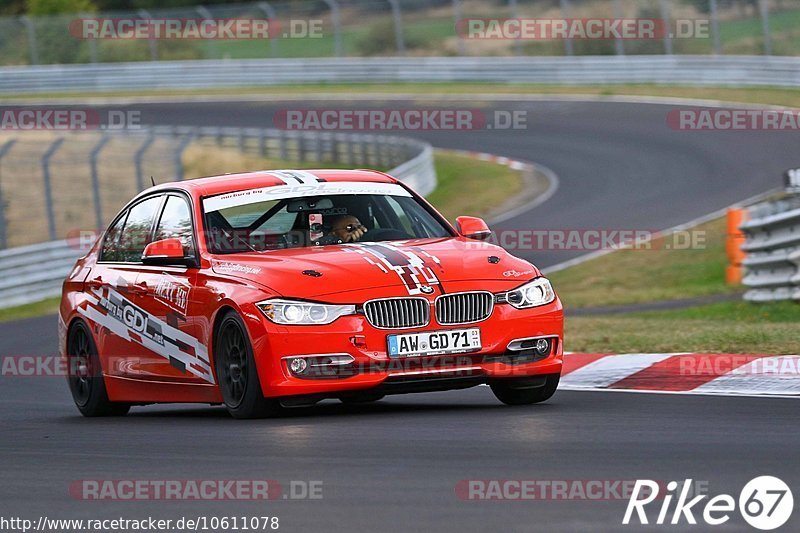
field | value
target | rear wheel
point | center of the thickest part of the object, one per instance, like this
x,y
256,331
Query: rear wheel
x,y
237,374
525,391
85,376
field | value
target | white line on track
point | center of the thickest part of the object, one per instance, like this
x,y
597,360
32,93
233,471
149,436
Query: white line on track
x,y
677,393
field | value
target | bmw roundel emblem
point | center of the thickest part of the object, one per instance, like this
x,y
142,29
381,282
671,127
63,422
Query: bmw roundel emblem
x,y
426,289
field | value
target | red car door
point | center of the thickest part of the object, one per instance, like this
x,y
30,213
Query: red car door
x,y
114,306
172,302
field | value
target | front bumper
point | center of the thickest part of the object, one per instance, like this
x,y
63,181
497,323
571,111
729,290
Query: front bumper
x,y
372,368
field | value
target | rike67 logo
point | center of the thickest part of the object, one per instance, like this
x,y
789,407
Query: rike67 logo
x,y
765,503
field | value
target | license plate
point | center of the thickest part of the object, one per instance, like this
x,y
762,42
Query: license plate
x,y
435,342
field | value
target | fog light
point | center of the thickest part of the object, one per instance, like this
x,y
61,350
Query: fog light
x,y
298,365
543,346
359,341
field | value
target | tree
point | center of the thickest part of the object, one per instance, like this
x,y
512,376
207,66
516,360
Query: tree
x,y
12,7
57,7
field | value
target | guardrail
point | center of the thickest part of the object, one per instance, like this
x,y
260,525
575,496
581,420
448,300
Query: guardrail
x,y
32,273
577,70
772,244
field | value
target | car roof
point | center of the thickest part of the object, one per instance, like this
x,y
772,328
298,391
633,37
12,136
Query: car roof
x,y
213,185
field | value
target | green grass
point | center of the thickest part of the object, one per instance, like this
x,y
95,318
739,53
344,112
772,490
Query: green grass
x,y
633,275
745,35
45,307
430,30
322,46
630,276
462,185
729,327
430,91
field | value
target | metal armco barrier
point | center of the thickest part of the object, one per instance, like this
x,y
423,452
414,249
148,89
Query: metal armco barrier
x,y
773,251
577,70
32,273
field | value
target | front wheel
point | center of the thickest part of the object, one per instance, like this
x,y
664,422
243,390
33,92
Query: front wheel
x,y
237,374
525,391
85,376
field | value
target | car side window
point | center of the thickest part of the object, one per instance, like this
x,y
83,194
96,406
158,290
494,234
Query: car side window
x,y
400,213
135,234
111,250
176,223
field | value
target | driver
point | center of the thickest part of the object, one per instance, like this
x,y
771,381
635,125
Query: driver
x,y
347,228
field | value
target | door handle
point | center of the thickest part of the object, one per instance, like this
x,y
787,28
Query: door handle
x,y
139,289
95,283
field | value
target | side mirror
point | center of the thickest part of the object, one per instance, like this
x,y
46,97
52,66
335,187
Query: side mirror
x,y
473,228
166,252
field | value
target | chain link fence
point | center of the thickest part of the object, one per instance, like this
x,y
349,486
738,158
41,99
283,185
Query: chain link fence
x,y
52,185
358,28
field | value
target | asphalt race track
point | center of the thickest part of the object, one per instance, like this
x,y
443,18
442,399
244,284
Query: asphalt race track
x,y
395,465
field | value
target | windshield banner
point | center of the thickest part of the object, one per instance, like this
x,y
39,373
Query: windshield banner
x,y
281,192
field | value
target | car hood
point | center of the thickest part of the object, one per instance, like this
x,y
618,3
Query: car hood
x,y
400,268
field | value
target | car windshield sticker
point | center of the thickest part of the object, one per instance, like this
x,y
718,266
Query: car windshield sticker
x,y
299,190
226,267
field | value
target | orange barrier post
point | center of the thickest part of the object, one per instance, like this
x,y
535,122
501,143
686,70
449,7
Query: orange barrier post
x,y
733,245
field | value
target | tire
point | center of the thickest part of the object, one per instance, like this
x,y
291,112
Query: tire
x,y
236,371
85,375
522,391
363,397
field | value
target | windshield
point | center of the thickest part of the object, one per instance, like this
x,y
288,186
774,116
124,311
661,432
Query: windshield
x,y
249,221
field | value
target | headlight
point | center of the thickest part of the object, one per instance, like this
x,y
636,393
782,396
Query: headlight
x,y
532,294
298,313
